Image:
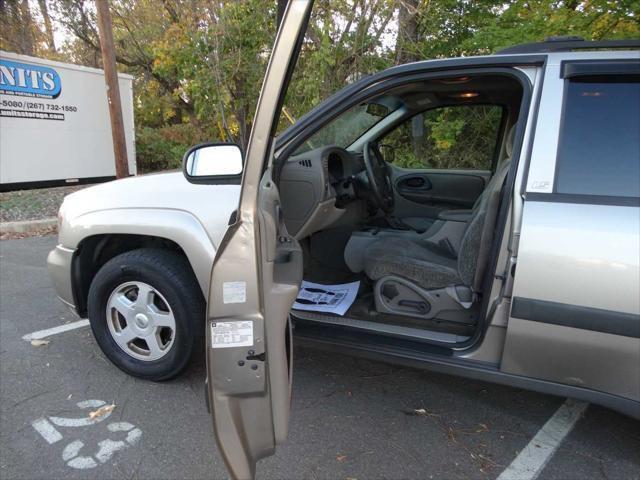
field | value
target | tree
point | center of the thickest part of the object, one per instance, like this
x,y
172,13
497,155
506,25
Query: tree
x,y
407,37
198,64
44,11
534,20
19,33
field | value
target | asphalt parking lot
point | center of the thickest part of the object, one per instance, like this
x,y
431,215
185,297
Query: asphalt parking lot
x,y
351,418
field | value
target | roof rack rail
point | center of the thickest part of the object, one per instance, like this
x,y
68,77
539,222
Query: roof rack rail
x,y
567,44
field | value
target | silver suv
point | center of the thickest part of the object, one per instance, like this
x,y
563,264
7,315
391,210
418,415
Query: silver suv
x,y
521,267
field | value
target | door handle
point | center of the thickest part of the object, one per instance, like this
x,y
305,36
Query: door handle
x,y
415,183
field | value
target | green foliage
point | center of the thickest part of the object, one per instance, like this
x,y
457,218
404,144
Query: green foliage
x,y
462,137
534,20
162,148
199,64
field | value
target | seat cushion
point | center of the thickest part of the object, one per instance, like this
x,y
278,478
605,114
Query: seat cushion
x,y
418,223
411,260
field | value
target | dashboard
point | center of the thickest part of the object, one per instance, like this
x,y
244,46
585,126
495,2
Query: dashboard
x,y
316,187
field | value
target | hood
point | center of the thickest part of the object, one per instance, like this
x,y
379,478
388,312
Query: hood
x,y
211,204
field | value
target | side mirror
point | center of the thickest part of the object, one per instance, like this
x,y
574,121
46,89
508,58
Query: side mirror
x,y
211,163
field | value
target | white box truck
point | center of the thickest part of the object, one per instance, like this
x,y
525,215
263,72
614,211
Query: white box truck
x,y
54,123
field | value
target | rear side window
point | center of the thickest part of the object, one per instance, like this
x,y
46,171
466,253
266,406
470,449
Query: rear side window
x,y
599,149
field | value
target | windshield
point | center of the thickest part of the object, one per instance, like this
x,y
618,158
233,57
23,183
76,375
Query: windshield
x,y
346,128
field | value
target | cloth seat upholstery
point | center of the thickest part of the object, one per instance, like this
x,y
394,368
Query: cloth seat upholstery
x,y
423,264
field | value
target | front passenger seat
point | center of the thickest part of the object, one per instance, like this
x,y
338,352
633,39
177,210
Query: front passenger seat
x,y
413,278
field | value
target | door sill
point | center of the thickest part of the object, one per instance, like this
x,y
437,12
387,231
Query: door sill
x,y
398,331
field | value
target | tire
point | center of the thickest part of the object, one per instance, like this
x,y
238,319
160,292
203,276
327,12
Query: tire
x,y
152,336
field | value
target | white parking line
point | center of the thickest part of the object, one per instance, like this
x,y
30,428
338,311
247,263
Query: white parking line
x,y
55,330
48,431
535,456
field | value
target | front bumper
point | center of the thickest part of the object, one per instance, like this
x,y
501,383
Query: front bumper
x,y
59,265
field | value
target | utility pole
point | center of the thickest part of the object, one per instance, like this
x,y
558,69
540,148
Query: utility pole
x,y
113,90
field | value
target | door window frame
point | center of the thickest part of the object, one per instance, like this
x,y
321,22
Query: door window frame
x,y
541,178
291,139
369,87
495,155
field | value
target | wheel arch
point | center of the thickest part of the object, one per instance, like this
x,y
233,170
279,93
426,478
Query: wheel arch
x,y
96,239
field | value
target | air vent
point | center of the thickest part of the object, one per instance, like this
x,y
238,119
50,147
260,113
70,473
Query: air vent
x,y
305,163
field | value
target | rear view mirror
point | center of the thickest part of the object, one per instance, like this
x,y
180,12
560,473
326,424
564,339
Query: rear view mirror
x,y
377,110
213,163
388,152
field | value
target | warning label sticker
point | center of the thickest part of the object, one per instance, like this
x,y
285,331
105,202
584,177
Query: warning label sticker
x,y
231,334
234,292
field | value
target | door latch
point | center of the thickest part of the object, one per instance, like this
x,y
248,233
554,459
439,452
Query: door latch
x,y
251,355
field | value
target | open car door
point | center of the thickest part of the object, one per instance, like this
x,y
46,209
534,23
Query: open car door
x,y
255,279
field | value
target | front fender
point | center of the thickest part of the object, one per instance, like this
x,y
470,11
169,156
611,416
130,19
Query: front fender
x,y
179,226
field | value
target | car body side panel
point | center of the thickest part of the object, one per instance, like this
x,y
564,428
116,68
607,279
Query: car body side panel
x,y
575,316
176,225
587,258
574,356
210,205
59,266
580,254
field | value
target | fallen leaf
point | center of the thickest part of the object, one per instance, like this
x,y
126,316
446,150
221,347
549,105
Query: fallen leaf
x,y
483,428
420,412
341,458
39,343
101,411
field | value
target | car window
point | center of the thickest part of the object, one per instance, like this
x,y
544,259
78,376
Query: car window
x,y
346,127
599,148
456,137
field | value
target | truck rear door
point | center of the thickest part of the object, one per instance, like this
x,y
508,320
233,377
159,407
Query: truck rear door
x,y
575,315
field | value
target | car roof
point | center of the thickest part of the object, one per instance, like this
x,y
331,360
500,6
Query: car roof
x,y
562,50
568,44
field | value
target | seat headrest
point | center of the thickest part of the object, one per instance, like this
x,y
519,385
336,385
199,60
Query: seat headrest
x,y
508,146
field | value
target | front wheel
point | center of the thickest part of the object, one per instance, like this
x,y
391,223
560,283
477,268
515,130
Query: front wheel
x,y
147,312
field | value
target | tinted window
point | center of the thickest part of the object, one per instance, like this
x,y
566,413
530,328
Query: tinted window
x,y
460,137
599,150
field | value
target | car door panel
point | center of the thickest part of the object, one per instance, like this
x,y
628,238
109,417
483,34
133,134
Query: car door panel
x,y
281,279
254,281
575,310
574,317
425,193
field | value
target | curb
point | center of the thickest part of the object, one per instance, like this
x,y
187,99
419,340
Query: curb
x,y
26,226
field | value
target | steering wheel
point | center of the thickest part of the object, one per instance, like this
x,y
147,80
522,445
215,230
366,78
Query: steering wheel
x,y
379,176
